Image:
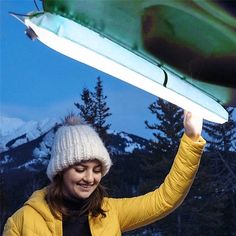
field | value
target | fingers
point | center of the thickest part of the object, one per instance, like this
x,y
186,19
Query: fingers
x,y
192,125
187,116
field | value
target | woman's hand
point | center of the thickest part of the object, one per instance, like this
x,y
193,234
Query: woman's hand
x,y
192,125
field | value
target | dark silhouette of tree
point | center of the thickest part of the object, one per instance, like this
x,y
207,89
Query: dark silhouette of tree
x,y
221,170
87,107
222,137
102,110
168,128
94,109
167,132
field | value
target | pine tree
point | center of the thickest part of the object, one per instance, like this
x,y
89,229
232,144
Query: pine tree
x,y
87,107
169,126
221,168
167,132
102,110
94,109
222,137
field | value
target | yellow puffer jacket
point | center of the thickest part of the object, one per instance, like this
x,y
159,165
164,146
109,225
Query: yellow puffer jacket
x,y
124,214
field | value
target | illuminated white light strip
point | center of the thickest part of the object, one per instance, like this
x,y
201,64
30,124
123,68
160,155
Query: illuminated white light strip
x,y
87,46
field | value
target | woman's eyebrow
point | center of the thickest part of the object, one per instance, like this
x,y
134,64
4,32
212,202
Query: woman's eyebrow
x,y
80,165
84,165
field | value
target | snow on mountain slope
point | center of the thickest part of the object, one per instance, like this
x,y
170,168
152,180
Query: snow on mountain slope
x,y
9,125
131,145
122,143
14,131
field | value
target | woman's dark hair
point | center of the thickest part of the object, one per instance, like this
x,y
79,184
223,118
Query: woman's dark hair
x,y
54,198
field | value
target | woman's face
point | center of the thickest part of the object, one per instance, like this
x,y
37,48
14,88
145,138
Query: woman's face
x,y
82,179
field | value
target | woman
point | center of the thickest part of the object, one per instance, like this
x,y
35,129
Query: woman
x,y
75,203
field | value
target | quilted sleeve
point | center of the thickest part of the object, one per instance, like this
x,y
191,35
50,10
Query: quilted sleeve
x,y
139,211
10,228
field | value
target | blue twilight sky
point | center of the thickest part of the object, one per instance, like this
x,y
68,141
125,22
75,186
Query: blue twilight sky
x,y
37,82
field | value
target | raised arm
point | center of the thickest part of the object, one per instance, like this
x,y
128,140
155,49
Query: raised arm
x,y
139,211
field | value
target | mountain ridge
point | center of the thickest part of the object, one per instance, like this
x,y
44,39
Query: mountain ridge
x,y
33,152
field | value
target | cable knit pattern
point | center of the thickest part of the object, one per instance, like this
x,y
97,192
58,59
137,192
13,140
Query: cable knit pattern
x,y
73,144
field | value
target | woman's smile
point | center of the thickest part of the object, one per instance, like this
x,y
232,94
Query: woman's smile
x,y
82,179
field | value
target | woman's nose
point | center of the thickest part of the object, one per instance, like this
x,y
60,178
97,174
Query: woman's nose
x,y
89,176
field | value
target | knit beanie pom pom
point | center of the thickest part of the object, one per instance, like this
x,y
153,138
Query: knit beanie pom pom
x,y
72,120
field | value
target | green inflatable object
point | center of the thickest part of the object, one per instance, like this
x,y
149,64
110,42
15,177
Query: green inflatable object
x,y
180,50
196,39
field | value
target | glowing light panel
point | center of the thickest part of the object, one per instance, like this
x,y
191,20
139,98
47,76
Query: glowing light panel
x,y
89,47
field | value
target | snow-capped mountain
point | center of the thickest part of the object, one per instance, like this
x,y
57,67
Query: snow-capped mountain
x,y
122,143
15,132
26,153
9,125
28,145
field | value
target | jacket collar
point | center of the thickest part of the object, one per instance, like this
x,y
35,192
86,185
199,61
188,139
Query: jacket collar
x,y
38,203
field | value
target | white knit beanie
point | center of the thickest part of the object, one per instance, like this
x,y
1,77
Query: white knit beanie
x,y
76,143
